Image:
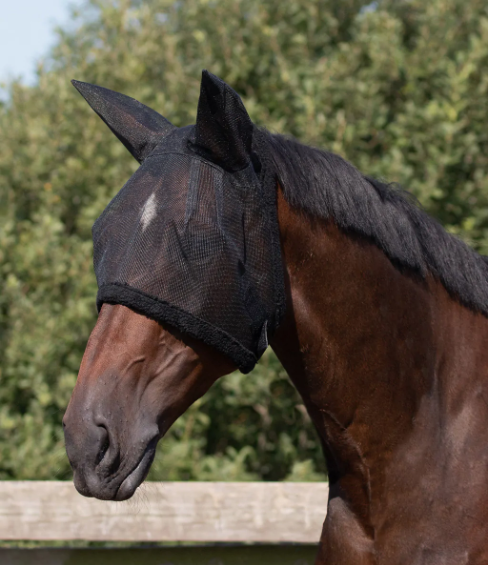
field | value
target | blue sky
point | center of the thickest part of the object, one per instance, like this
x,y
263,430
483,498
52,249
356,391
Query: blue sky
x,y
26,33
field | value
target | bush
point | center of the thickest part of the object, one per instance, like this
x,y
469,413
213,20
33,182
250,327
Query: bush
x,y
397,87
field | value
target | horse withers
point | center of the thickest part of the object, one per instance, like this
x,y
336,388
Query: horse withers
x,y
228,237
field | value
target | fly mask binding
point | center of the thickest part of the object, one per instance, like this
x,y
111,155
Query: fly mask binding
x,y
192,238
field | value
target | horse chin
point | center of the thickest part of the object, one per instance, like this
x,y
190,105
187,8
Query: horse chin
x,y
136,477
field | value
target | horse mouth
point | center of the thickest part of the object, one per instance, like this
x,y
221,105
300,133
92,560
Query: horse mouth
x,y
136,477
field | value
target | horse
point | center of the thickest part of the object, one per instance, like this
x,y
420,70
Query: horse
x,y
382,328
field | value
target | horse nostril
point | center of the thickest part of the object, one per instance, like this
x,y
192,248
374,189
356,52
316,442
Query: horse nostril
x,y
104,444
108,456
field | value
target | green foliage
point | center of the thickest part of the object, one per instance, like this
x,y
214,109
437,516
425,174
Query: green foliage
x,y
396,86
247,427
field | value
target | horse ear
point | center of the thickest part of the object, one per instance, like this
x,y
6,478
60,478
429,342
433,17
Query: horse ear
x,y
223,129
138,127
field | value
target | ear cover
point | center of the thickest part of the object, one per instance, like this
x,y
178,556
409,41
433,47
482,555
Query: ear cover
x,y
138,127
224,129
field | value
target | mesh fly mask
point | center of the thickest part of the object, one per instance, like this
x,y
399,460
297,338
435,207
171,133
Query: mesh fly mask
x,y
192,238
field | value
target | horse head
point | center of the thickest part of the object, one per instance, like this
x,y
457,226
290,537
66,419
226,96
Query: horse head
x,y
189,272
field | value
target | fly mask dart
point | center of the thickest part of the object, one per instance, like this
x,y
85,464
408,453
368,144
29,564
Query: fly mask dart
x,y
192,239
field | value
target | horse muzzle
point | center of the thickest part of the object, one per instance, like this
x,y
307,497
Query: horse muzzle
x,y
103,466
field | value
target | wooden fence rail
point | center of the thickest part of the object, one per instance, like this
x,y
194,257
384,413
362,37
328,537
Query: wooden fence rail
x,y
191,511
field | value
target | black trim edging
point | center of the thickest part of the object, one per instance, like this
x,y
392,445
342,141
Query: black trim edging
x,y
162,312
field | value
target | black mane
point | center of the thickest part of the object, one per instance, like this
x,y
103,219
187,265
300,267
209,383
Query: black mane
x,y
326,186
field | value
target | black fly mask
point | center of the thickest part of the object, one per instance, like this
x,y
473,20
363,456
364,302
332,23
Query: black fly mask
x,y
192,239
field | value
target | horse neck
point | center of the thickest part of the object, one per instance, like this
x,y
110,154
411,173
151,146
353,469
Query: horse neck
x,y
382,359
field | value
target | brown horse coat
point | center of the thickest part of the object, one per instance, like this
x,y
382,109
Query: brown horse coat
x,y
384,339
393,373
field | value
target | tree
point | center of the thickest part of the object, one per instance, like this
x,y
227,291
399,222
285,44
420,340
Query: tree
x,y
396,86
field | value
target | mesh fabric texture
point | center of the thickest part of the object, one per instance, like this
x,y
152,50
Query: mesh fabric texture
x,y
195,245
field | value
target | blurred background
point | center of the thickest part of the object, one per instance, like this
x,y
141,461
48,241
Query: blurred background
x,y
398,87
